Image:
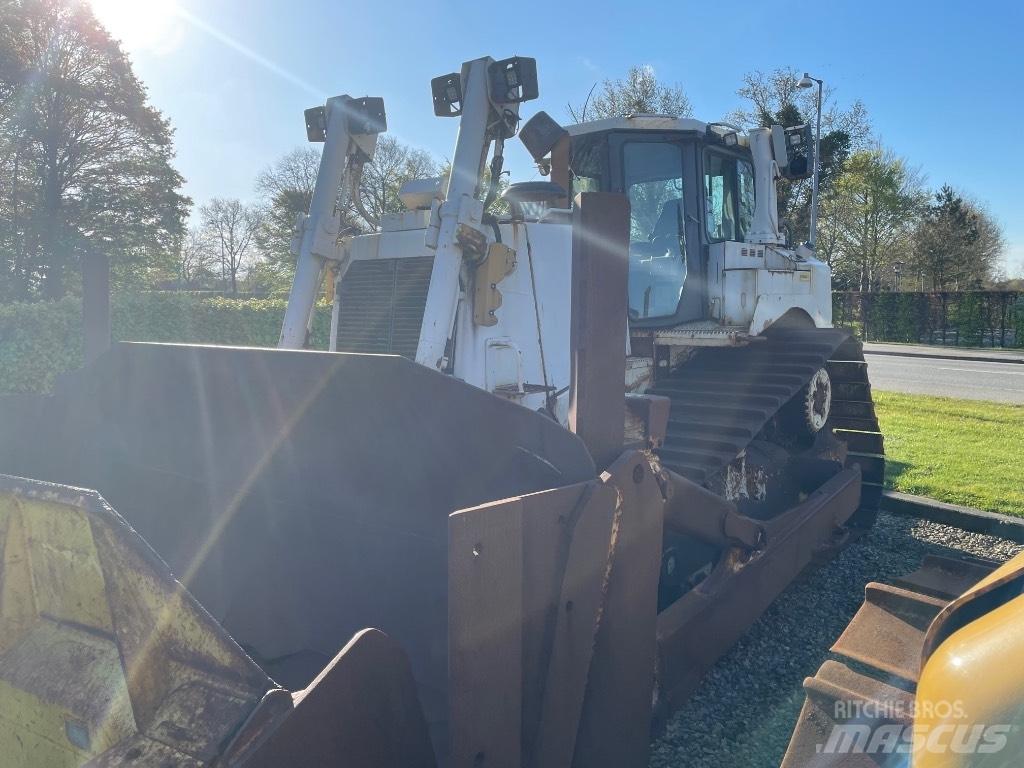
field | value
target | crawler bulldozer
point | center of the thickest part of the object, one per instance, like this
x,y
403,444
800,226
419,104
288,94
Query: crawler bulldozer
x,y
560,454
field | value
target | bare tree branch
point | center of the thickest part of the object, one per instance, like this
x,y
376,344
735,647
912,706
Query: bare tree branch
x,y
638,93
232,226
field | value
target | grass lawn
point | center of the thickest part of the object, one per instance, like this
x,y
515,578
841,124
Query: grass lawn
x,y
966,452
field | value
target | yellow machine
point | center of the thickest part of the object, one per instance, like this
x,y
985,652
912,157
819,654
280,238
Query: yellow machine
x,y
931,676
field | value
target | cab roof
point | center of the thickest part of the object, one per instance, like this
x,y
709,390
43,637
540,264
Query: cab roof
x,y
638,122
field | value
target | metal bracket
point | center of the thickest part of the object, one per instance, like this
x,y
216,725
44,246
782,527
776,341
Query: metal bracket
x,y
469,234
496,265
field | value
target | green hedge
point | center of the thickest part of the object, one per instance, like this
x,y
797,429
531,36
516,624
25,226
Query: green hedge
x,y
966,318
41,340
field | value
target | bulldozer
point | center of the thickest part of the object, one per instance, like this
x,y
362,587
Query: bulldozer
x,y
569,440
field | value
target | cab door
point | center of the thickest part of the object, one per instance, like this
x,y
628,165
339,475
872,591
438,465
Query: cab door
x,y
667,270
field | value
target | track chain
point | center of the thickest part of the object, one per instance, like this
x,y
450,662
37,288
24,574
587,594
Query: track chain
x,y
724,397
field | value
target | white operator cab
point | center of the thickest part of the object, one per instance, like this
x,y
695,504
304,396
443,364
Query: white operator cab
x,y
485,297
708,263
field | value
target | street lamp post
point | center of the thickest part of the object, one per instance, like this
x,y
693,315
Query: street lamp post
x,y
808,82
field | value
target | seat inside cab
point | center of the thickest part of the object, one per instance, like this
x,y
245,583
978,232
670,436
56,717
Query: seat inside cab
x,y
653,181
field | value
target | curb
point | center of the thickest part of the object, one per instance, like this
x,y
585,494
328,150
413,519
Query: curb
x,y
941,356
964,518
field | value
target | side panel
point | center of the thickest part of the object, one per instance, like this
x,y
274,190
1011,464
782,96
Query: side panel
x,y
526,350
533,319
756,285
739,296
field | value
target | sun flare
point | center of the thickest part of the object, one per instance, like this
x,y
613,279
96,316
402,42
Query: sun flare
x,y
141,25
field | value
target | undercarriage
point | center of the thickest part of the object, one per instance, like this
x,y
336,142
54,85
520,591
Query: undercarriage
x,y
781,431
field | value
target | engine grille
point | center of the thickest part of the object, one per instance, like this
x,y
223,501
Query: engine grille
x,y
381,305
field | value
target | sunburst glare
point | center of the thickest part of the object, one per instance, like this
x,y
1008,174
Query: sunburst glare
x,y
154,26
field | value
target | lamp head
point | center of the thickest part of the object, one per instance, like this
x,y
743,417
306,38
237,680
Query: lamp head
x,y
805,82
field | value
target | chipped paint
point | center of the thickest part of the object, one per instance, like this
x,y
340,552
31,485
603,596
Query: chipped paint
x,y
742,483
639,373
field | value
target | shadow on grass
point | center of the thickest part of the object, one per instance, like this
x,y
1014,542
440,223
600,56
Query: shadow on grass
x,y
894,470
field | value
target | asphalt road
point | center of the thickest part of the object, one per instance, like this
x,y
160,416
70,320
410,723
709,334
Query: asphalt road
x,y
971,379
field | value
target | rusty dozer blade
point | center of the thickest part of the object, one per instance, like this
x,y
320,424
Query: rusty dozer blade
x,y
300,496
106,660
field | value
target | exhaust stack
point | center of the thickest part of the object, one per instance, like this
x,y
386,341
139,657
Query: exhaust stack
x,y
765,229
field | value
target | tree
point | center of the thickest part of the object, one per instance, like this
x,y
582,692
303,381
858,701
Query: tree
x,y
286,188
639,93
198,258
873,207
957,244
393,164
772,95
231,226
293,172
990,247
834,212
86,161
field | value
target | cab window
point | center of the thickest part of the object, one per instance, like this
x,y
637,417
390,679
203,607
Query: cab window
x,y
728,196
587,166
653,182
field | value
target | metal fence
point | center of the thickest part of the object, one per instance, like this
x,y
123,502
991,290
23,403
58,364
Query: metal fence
x,y
955,318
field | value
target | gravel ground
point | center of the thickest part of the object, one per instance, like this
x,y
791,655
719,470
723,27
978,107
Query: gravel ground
x,y
745,710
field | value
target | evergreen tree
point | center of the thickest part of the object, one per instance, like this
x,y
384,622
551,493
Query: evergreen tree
x,y
956,244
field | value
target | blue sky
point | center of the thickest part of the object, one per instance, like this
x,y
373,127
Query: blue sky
x,y
942,82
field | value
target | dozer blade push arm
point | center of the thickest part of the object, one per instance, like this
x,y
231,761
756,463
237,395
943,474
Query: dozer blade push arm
x,y
693,510
485,96
349,128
